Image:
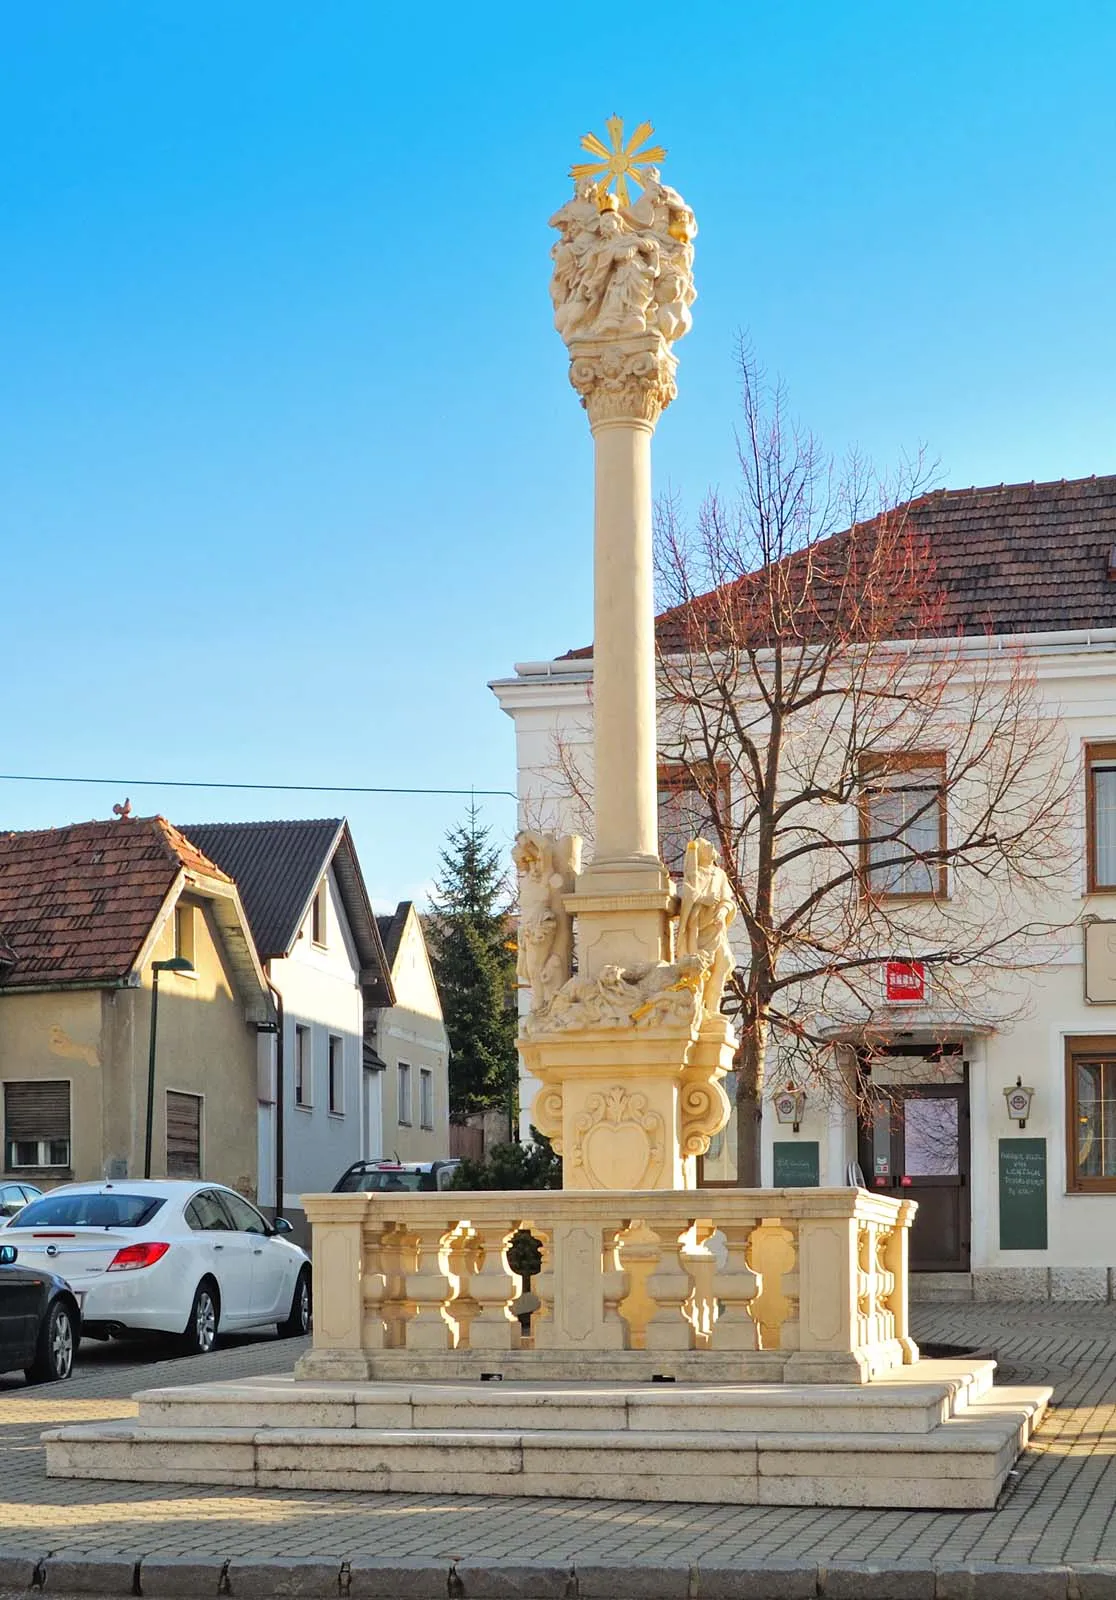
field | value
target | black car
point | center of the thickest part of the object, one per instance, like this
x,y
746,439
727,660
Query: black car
x,y
40,1323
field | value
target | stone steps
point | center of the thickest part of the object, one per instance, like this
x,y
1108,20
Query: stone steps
x,y
937,1436
916,1402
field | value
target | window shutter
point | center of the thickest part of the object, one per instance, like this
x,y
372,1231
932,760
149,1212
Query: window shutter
x,y
37,1110
183,1135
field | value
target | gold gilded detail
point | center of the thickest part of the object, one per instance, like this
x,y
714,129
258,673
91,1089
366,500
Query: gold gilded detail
x,y
617,161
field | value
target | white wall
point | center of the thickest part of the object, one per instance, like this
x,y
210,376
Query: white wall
x,y
320,986
412,1031
550,705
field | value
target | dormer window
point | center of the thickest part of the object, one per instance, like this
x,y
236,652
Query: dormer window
x,y
318,916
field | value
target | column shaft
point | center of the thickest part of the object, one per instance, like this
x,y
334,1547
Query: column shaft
x,y
625,807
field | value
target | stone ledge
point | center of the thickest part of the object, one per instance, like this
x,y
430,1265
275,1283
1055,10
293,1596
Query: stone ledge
x,y
324,1577
1001,1285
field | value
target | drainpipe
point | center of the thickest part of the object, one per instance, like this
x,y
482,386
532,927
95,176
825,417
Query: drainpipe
x,y
280,1100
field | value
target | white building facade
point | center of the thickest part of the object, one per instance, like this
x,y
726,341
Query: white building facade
x,y
411,1040
317,936
1017,1191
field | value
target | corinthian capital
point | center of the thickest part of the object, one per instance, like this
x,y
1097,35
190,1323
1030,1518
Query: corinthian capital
x,y
623,380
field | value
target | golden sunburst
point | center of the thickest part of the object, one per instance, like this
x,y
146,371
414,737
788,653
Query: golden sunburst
x,y
622,161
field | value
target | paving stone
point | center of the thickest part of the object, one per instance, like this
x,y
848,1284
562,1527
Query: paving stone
x,y
759,1580
1095,1582
260,1579
76,1572
15,1571
179,1578
494,1580
399,1580
989,1581
615,1582
866,1580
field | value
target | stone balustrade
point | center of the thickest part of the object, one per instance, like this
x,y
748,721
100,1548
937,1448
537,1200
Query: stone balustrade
x,y
794,1285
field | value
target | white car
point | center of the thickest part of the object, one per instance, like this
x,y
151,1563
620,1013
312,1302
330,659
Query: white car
x,y
172,1256
13,1198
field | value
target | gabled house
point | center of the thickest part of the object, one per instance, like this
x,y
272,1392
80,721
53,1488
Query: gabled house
x,y
86,914
316,935
996,1111
411,1040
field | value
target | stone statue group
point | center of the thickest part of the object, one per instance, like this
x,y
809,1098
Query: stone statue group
x,y
686,990
622,272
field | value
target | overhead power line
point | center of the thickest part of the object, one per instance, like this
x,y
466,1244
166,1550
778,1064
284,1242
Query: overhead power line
x,y
272,788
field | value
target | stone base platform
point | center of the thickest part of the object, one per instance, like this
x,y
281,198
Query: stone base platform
x,y
933,1435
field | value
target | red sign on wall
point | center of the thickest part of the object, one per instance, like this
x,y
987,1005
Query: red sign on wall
x,y
905,981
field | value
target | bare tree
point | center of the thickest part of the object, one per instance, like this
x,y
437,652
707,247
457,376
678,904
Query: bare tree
x,y
881,786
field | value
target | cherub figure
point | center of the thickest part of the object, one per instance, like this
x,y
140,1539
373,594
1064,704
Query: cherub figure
x,y
706,913
547,868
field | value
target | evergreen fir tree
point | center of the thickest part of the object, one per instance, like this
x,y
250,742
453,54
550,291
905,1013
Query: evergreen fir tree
x,y
474,964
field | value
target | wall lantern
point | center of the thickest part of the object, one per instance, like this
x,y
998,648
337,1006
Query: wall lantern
x,y
1019,1102
790,1106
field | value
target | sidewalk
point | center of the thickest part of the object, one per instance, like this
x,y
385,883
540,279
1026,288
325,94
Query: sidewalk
x,y
1054,1533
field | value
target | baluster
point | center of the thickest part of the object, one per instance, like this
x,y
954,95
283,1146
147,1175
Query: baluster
x,y
374,1288
735,1286
492,1287
460,1252
614,1287
636,1254
885,1286
668,1286
426,1286
869,1321
896,1257
772,1256
394,1306
702,1253
542,1286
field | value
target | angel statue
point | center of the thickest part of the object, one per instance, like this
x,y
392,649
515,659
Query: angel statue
x,y
706,912
548,868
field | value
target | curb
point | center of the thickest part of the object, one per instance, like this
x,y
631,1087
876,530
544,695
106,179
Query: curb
x,y
71,1572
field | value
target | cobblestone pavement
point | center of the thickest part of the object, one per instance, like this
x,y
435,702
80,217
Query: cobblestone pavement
x,y
1060,1509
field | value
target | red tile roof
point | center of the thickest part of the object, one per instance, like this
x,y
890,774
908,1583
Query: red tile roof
x,y
77,903
1011,558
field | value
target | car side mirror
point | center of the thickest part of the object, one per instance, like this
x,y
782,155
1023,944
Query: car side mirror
x,y
8,1254
282,1225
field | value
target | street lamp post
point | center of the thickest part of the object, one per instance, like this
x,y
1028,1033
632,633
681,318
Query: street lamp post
x,y
175,964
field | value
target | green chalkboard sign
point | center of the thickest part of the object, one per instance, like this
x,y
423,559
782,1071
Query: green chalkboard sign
x,y
796,1164
1022,1194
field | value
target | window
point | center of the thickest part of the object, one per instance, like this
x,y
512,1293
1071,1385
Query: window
x,y
302,1067
37,1124
184,914
184,1132
684,811
92,1210
336,1076
404,1095
1091,1114
902,821
206,1214
318,915
1100,815
426,1098
245,1217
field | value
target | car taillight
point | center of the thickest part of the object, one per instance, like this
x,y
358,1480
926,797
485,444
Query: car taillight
x,y
137,1255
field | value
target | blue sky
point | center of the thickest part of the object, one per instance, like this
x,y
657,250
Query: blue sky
x,y
289,466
